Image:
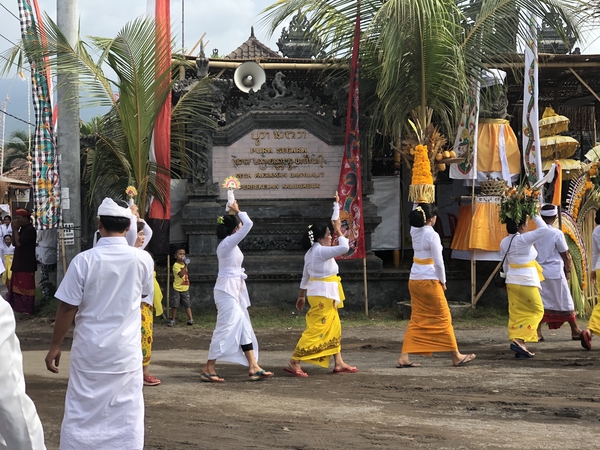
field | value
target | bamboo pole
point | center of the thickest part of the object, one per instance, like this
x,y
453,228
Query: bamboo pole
x,y
365,284
486,284
62,247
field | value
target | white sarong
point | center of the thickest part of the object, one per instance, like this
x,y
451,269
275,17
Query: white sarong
x,y
233,330
103,411
556,295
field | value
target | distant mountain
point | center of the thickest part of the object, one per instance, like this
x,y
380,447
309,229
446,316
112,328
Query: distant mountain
x,y
17,91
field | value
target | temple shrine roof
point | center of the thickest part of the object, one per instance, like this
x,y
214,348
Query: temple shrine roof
x,y
253,49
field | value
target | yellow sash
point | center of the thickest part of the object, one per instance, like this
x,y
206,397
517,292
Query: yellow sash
x,y
333,279
423,262
533,263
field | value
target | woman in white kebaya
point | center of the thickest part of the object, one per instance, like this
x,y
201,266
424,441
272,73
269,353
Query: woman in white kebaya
x,y
233,339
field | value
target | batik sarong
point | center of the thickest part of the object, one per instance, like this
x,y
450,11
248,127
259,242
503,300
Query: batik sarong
x,y
322,337
525,312
147,325
594,323
21,292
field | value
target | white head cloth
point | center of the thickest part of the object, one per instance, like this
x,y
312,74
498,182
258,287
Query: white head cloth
x,y
110,208
549,212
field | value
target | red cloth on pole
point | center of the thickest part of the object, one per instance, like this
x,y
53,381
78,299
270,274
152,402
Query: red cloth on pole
x,y
350,184
162,129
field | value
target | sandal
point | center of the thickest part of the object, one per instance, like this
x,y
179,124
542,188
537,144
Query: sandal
x,y
151,381
171,323
260,375
295,372
211,378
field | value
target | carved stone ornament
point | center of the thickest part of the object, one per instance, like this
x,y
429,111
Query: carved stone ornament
x,y
299,41
279,97
270,243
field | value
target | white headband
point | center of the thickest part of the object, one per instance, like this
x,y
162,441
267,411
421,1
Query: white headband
x,y
549,212
110,208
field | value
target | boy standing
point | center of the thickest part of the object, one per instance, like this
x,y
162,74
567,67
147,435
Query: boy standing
x,y
181,287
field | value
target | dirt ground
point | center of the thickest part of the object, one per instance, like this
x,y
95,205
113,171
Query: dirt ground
x,y
497,402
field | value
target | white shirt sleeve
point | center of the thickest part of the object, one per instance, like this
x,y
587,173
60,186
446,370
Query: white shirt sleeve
x,y
531,237
20,426
71,288
233,240
436,247
335,250
595,247
305,274
148,274
131,235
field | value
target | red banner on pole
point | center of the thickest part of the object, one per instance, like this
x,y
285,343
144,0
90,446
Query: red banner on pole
x,y
350,184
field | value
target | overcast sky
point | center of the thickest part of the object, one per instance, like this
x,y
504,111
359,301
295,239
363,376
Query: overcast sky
x,y
226,22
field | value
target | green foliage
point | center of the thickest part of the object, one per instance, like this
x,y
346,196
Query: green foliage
x,y
420,53
117,156
17,148
519,203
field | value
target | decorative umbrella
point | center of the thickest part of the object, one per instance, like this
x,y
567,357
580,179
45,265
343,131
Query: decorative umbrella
x,y
553,125
571,168
558,146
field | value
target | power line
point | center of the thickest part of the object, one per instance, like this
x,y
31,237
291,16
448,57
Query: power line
x,y
18,118
12,62
1,35
10,12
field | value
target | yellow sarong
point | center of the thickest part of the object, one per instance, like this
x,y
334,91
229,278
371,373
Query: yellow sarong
x,y
323,334
147,324
7,274
594,323
525,312
533,263
430,326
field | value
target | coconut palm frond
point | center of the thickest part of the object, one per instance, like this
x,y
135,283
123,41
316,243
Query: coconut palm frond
x,y
421,61
495,29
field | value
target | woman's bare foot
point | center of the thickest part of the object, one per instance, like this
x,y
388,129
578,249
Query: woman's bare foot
x,y
255,370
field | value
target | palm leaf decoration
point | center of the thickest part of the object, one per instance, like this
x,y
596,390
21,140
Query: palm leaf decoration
x,y
134,96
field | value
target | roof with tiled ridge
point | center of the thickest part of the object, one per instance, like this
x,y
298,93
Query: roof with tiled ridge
x,y
253,49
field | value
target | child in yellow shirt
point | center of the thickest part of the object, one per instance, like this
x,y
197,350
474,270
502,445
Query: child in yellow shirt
x,y
181,286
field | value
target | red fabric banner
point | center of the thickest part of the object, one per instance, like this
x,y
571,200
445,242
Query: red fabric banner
x,y
350,184
162,129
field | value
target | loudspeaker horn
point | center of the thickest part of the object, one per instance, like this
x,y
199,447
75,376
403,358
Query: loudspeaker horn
x,y
248,76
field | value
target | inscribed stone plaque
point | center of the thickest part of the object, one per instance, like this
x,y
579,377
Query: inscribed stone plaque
x,y
279,164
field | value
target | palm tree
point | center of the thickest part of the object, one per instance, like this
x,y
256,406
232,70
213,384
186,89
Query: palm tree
x,y
420,53
17,148
118,156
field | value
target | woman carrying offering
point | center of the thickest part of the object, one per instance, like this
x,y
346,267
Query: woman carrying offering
x,y
523,277
320,282
430,327
233,339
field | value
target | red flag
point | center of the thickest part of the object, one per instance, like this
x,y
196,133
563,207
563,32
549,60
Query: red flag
x,y
159,215
350,184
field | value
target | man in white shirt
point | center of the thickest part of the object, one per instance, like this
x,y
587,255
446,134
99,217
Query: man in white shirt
x,y
553,256
20,426
102,291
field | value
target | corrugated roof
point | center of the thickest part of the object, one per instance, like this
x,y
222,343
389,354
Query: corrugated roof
x,y
253,49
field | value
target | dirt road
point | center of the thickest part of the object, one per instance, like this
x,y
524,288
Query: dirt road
x,y
496,402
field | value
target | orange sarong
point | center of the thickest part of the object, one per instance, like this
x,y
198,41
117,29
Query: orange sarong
x,y
430,327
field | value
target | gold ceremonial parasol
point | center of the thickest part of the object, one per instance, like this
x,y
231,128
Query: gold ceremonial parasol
x,y
553,125
571,168
558,147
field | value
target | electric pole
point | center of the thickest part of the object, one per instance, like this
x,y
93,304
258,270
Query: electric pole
x,y
68,147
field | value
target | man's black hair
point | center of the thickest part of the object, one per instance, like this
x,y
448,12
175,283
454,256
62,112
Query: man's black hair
x,y
115,224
